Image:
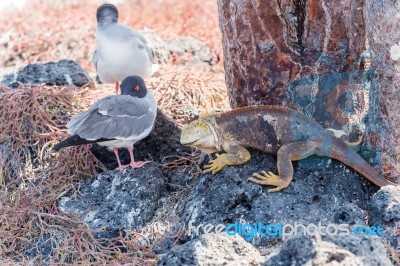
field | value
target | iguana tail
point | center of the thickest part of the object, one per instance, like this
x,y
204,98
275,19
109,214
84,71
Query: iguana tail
x,y
345,154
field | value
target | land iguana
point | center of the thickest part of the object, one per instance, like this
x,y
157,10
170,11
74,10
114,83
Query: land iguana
x,y
271,129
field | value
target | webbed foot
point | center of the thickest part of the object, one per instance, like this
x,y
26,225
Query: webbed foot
x,y
122,167
138,164
269,179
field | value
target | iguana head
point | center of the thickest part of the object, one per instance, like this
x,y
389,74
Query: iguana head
x,y
201,135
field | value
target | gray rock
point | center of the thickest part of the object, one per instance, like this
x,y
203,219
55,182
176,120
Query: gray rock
x,y
165,49
42,248
160,46
60,73
197,48
385,206
8,75
384,211
117,200
332,194
213,249
12,164
304,250
370,249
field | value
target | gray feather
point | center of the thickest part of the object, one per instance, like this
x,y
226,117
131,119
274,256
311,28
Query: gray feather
x,y
119,117
122,33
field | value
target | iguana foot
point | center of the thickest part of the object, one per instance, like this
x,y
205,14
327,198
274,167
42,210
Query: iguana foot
x,y
216,165
270,179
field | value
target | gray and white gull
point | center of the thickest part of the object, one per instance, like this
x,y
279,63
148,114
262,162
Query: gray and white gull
x,y
117,121
121,51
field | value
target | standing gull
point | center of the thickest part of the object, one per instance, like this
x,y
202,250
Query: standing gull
x,y
121,51
117,121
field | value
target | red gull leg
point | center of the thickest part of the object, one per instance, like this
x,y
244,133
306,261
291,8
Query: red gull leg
x,y
116,87
120,167
134,164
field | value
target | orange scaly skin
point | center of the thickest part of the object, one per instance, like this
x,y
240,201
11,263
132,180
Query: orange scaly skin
x,y
271,129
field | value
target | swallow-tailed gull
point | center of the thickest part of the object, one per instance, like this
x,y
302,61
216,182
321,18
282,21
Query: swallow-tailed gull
x,y
116,121
121,51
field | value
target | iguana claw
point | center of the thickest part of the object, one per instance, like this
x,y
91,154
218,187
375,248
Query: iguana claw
x,y
216,165
270,179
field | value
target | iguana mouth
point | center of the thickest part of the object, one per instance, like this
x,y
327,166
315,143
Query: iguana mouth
x,y
189,143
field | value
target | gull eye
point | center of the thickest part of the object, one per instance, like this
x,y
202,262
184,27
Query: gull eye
x,y
136,88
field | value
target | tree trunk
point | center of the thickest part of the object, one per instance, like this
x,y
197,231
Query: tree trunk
x,y
383,131
313,55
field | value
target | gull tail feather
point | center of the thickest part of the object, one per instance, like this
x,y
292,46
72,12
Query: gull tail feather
x,y
74,141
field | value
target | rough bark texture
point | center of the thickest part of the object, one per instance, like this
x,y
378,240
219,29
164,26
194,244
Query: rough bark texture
x,y
382,27
303,54
336,61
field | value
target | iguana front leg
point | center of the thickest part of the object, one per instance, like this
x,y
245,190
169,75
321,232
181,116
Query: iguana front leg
x,y
235,154
286,154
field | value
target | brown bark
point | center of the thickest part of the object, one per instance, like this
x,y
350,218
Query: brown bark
x,y
306,54
382,27
270,43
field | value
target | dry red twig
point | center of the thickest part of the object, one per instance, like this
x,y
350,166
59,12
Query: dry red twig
x,y
68,30
32,178
31,120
